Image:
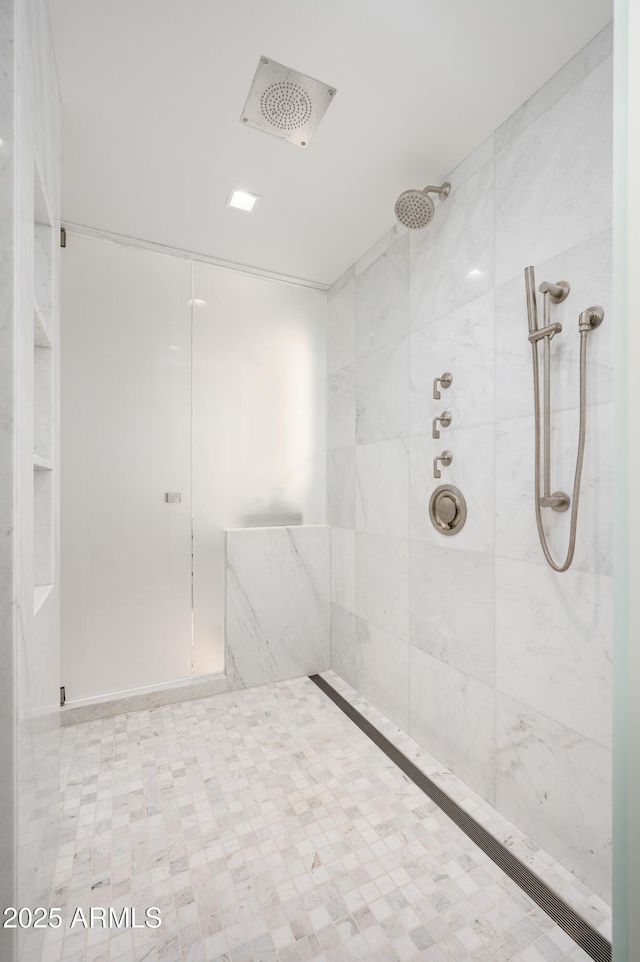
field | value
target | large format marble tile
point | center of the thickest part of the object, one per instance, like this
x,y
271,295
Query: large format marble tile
x,y
341,487
557,86
452,608
471,470
380,247
556,786
382,299
589,270
382,394
453,717
462,344
552,181
553,644
343,643
483,154
341,282
382,488
277,603
343,568
341,324
452,261
382,582
341,409
516,534
382,671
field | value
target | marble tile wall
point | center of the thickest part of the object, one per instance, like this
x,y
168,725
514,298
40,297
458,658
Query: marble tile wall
x,y
499,666
277,603
8,546
29,632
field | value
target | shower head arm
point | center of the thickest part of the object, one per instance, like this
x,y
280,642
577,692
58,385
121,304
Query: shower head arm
x,y
443,191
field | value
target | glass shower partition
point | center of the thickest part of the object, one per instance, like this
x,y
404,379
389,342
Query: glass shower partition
x,y
258,425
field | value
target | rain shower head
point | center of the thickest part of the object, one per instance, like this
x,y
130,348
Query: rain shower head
x,y
415,209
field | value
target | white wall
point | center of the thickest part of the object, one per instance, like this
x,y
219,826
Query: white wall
x,y
498,665
142,417
29,507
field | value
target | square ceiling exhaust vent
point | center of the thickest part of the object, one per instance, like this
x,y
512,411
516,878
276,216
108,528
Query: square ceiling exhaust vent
x,y
286,103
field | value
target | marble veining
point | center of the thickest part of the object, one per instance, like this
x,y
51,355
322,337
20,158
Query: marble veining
x,y
382,488
460,342
341,324
341,490
452,262
382,299
382,394
471,470
597,50
453,715
569,777
589,270
29,270
341,409
559,659
452,608
343,567
343,644
382,671
551,193
382,582
515,528
488,622
277,603
267,828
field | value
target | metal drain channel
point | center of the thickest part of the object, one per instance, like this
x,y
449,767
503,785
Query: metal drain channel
x,y
584,934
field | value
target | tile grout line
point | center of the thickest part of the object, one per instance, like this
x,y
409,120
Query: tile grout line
x,y
582,933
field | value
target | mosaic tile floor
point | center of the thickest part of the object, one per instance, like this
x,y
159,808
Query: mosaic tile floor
x,y
267,828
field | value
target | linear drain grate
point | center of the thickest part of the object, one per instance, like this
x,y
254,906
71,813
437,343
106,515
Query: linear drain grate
x,y
584,934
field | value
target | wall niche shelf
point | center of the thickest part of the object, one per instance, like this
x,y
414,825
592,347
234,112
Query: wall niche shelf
x,y
43,392
41,327
40,594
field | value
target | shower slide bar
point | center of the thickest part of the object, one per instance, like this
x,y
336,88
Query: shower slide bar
x,y
588,320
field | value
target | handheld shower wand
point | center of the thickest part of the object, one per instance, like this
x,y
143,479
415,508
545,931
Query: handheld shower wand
x,y
589,319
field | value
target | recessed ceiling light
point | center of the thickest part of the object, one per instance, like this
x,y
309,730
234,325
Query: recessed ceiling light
x,y
242,200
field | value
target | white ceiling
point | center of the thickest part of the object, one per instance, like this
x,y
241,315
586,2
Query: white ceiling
x,y
152,93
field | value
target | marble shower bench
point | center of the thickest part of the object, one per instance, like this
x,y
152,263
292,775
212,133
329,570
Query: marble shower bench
x,y
277,603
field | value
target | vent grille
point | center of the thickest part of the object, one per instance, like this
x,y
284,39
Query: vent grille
x,y
286,103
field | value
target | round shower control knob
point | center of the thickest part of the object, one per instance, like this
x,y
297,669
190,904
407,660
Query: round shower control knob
x,y
447,509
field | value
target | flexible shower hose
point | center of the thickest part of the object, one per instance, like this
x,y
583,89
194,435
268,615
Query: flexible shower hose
x,y
575,501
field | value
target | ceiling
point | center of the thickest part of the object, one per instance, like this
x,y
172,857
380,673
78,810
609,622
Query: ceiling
x,y
153,90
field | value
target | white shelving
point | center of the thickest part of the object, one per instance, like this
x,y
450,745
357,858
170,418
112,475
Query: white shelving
x,y
41,327
43,393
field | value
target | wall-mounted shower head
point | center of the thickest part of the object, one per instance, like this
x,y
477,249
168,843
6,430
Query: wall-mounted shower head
x,y
415,209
